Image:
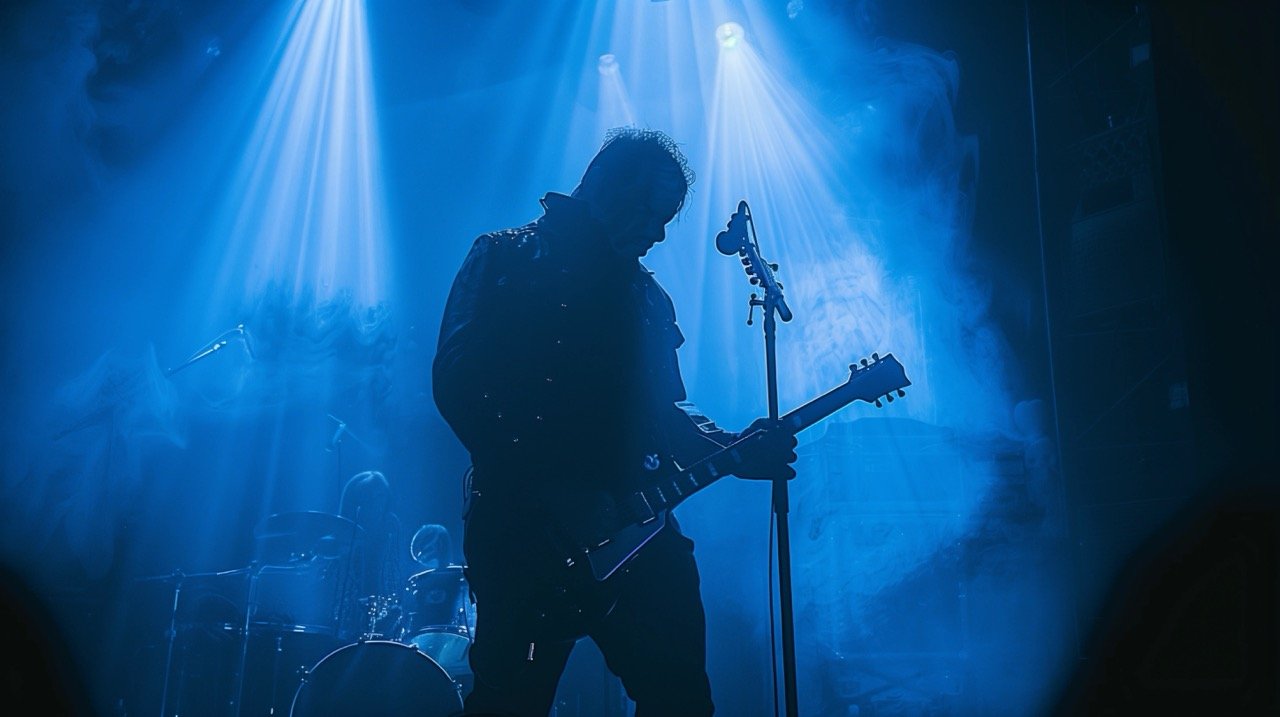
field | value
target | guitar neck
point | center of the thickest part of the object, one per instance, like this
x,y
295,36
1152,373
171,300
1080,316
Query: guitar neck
x,y
667,493
816,409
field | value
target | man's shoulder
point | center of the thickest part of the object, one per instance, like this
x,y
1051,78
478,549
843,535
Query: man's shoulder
x,y
515,242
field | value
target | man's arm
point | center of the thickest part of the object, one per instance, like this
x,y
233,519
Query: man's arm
x,y
463,369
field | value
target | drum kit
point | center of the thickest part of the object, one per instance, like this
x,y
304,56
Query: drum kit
x,y
281,637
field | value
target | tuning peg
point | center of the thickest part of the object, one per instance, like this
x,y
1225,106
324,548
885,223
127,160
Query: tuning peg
x,y
875,357
901,393
865,363
888,397
746,261
878,404
773,267
853,368
755,281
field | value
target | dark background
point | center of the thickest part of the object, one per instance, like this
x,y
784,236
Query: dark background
x,y
1149,182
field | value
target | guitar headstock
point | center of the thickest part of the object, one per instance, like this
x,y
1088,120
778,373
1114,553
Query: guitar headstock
x,y
877,377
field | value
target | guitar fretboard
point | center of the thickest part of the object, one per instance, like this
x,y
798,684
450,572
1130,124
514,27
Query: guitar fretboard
x,y
666,493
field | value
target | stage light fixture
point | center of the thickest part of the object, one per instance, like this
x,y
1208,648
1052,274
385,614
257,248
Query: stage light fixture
x,y
729,34
608,63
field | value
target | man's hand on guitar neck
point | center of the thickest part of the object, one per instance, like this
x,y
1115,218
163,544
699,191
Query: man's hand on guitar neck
x,y
766,452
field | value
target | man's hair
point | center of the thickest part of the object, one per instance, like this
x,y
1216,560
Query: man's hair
x,y
629,153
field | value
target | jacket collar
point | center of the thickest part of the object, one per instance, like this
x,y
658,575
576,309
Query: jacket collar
x,y
569,219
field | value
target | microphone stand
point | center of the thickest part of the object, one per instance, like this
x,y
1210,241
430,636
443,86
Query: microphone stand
x,y
781,509
210,348
773,305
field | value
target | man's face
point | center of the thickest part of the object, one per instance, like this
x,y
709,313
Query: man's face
x,y
639,224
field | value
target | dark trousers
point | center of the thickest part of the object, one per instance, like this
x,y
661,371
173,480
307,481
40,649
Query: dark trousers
x,y
653,639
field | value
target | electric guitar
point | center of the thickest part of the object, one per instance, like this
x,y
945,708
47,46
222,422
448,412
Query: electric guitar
x,y
600,533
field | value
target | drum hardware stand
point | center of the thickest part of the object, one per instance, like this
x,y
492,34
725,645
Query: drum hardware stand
x,y
171,636
734,240
275,671
254,571
349,574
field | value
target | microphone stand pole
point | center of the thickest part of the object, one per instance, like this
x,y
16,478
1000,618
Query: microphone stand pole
x,y
735,240
781,510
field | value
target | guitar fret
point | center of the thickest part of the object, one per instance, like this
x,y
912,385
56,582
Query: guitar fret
x,y
653,498
641,509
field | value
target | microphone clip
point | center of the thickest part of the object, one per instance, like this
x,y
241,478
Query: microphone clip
x,y
734,240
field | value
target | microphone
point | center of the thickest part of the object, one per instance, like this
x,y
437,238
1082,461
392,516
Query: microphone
x,y
337,434
248,342
730,241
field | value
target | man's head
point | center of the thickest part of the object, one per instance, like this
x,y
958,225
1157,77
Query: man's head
x,y
634,186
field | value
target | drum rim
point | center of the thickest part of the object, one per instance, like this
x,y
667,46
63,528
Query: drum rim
x,y
458,630
459,570
306,680
361,643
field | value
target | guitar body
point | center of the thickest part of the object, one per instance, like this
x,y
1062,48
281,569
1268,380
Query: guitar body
x,y
585,586
608,558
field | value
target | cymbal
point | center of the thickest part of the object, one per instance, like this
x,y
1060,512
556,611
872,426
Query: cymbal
x,y
306,534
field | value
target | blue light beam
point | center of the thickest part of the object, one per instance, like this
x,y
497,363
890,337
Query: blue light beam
x,y
305,214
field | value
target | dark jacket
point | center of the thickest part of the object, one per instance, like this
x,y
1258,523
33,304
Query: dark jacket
x,y
556,365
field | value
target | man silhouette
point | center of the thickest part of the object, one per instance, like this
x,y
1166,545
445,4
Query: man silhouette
x,y
557,370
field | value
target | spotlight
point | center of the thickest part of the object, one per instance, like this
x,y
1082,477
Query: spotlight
x,y
729,34
608,63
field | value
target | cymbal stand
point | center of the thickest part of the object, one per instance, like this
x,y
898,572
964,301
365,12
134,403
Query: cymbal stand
x,y
250,609
171,636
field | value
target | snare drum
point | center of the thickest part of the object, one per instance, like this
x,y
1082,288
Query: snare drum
x,y
439,617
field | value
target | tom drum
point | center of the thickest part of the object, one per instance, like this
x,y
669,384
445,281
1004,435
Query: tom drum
x,y
439,617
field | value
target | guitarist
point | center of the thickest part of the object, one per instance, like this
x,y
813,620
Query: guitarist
x,y
556,368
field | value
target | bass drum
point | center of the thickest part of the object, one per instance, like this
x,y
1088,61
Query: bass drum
x,y
377,678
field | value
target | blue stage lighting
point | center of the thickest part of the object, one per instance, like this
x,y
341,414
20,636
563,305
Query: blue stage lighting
x,y
729,34
608,63
305,213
